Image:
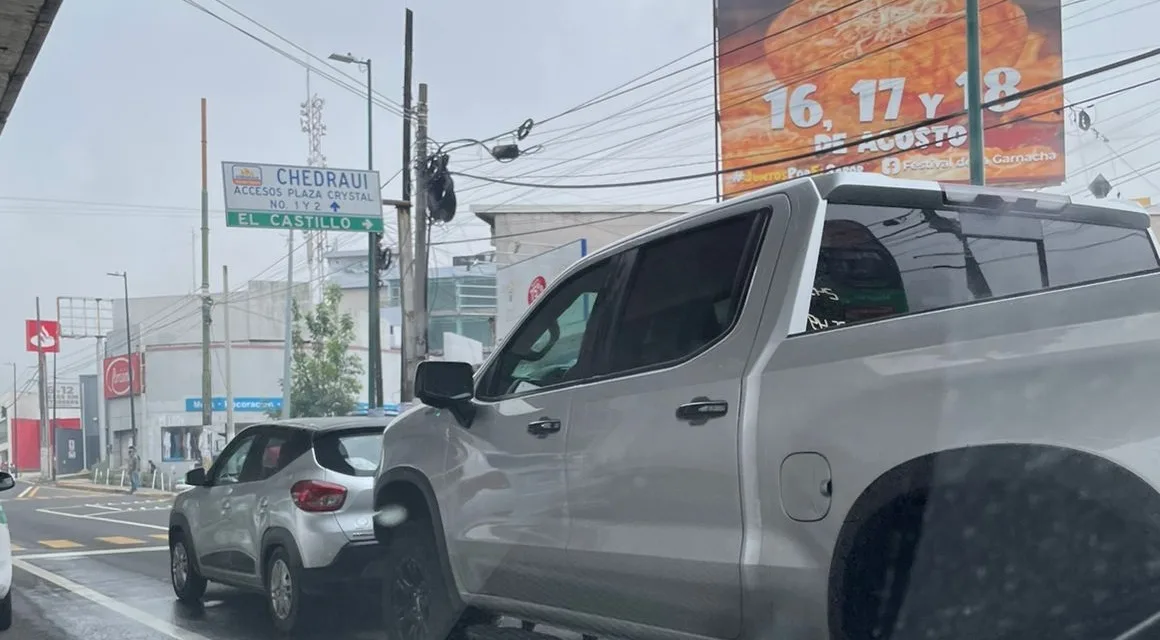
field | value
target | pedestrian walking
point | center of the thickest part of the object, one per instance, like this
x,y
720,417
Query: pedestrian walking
x,y
134,470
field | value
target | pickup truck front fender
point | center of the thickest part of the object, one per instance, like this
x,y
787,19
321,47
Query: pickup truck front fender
x,y
409,488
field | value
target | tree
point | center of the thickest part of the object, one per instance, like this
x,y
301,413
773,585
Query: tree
x,y
325,375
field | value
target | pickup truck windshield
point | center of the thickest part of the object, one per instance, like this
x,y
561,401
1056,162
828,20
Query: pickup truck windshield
x,y
878,261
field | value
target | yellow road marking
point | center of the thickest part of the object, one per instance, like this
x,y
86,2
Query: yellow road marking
x,y
60,544
160,536
32,494
25,492
120,540
17,547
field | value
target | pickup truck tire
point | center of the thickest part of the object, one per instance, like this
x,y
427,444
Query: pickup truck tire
x,y
1068,550
416,603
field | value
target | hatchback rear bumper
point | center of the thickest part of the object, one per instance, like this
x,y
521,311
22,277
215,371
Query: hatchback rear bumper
x,y
355,563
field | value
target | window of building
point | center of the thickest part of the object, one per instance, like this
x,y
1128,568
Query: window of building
x,y
878,262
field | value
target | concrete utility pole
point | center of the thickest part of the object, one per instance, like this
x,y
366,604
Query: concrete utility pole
x,y
206,302
42,400
973,87
420,217
229,353
405,235
13,449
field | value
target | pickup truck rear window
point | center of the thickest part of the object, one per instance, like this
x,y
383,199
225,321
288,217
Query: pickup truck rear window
x,y
352,453
877,262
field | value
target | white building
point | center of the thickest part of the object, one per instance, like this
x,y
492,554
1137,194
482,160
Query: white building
x,y
168,339
523,231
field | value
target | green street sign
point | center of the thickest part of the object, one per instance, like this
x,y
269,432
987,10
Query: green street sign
x,y
304,221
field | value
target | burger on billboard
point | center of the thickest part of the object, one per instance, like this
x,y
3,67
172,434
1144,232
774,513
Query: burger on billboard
x,y
117,376
845,88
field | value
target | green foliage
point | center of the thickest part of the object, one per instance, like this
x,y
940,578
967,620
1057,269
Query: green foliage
x,y
325,375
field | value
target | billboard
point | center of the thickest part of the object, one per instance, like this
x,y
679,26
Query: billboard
x,y
808,76
117,376
518,285
64,395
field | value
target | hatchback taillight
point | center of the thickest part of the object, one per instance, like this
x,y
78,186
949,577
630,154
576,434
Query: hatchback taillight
x,y
318,496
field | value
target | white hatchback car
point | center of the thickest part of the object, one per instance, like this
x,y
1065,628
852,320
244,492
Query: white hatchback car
x,y
6,483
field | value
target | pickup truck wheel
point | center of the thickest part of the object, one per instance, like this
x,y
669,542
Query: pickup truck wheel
x,y
1000,562
416,603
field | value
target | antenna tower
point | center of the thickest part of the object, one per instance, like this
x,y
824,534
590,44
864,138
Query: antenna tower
x,y
310,116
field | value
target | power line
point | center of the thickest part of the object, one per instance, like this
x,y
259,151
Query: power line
x,y
1047,86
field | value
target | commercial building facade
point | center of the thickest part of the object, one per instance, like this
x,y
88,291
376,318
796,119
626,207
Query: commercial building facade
x,y
167,366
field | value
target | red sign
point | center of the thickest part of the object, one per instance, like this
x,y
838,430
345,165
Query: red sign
x,y
117,376
42,336
538,286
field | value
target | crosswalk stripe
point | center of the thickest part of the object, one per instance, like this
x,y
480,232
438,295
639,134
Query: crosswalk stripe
x,y
60,544
120,540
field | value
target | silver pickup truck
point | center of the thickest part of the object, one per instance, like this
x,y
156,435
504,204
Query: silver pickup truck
x,y
845,407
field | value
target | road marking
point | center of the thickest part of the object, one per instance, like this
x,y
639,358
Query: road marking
x,y
25,492
59,544
121,540
82,516
160,536
64,555
169,629
17,547
32,494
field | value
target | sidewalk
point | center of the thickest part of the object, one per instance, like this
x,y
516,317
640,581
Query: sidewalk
x,y
89,485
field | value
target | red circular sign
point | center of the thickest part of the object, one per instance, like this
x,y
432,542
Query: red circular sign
x,y
537,287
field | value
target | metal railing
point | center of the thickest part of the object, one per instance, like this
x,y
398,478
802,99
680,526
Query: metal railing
x,y
120,478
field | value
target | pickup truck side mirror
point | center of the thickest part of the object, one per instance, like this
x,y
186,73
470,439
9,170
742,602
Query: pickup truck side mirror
x,y
195,477
447,385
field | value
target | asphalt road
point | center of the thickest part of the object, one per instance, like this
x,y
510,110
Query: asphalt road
x,y
95,566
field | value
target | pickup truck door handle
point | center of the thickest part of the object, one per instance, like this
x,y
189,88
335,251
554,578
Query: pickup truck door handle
x,y
543,427
263,504
702,410
225,504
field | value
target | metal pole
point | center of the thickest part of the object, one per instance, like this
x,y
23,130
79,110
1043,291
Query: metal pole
x,y
12,423
206,303
229,353
53,423
374,321
288,328
716,104
419,214
129,365
102,418
403,228
974,100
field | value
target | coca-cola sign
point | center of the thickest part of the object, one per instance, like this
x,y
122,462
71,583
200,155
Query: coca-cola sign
x,y
117,376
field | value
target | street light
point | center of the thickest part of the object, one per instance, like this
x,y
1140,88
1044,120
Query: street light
x,y
128,355
374,371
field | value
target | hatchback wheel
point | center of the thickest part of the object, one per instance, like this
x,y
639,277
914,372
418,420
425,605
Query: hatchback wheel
x,y
188,583
284,591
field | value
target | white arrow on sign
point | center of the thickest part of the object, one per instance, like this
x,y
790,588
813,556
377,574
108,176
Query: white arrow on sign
x,y
367,224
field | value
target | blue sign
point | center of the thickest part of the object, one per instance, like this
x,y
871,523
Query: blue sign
x,y
240,404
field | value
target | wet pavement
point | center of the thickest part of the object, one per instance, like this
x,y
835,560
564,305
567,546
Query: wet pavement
x,y
95,566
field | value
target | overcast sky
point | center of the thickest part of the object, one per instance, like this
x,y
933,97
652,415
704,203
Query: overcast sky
x,y
99,163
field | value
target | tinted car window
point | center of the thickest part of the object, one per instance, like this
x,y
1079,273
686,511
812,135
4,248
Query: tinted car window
x,y
352,453
878,262
545,349
684,293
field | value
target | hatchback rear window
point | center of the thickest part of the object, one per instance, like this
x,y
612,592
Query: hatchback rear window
x,y
352,453
882,261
